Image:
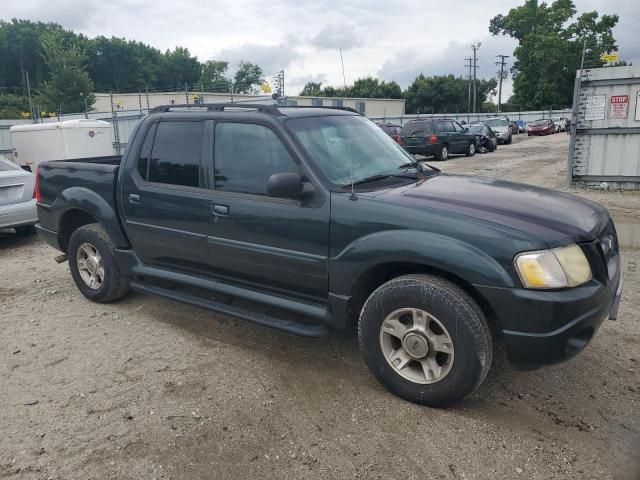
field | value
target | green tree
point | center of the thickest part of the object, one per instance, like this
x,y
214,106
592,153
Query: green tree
x,y
120,65
549,49
445,93
69,84
312,89
13,106
248,78
367,87
177,68
213,76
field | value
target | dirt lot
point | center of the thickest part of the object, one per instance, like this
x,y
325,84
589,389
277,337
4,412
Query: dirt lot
x,y
147,388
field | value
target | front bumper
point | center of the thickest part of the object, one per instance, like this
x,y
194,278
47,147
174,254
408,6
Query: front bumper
x,y
18,214
502,136
547,327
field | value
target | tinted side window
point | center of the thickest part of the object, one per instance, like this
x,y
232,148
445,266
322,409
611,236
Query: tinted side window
x,y
175,158
457,127
145,152
246,155
440,126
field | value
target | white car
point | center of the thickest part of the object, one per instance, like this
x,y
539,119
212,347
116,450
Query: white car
x,y
559,124
502,128
17,202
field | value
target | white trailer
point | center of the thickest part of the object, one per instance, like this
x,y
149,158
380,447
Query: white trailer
x,y
66,140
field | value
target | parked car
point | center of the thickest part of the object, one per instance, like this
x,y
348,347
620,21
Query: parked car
x,y
438,137
317,215
522,126
501,126
544,126
392,130
17,201
486,139
567,124
559,125
514,128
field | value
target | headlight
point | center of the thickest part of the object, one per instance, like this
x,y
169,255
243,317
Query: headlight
x,y
557,268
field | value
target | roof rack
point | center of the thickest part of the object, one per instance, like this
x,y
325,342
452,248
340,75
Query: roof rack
x,y
221,107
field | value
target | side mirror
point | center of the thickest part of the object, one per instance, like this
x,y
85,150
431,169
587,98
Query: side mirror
x,y
287,185
466,129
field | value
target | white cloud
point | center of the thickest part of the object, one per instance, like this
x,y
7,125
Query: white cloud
x,y
337,36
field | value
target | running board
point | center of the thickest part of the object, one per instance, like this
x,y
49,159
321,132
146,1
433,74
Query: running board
x,y
295,328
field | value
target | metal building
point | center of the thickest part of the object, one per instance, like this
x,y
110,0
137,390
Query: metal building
x,y
605,140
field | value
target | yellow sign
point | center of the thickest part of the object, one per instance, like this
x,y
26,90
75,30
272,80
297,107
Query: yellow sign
x,y
266,88
610,57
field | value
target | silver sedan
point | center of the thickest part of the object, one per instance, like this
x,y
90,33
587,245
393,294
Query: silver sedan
x,y
17,202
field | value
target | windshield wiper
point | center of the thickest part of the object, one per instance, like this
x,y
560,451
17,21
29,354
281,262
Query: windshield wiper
x,y
371,178
418,166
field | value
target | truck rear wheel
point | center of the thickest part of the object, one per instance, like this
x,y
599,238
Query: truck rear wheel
x,y
93,265
425,339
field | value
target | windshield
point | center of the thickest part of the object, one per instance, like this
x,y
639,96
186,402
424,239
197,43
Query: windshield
x,y
497,122
339,144
536,123
477,129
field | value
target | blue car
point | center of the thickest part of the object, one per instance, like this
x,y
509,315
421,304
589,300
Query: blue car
x,y
522,125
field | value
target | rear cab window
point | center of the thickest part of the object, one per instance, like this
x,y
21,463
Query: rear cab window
x,y
171,153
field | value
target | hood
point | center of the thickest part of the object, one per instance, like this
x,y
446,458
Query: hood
x,y
554,217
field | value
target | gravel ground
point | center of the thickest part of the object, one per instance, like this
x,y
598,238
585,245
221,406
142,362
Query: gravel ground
x,y
147,388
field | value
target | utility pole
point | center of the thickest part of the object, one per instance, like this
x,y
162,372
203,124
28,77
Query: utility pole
x,y
33,117
469,65
475,68
502,63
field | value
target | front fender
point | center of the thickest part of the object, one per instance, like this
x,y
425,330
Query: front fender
x,y
415,247
81,198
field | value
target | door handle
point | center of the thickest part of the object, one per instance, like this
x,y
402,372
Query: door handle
x,y
134,198
220,210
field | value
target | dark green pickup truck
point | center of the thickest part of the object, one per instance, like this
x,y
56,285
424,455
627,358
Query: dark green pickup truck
x,y
306,219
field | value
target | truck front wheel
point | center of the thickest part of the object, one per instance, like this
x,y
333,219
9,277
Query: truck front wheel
x,y
425,339
93,265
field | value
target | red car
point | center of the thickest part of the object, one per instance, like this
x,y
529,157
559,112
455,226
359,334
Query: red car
x,y
392,130
541,127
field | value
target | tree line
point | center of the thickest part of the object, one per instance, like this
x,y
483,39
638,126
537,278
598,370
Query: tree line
x,y
435,94
65,68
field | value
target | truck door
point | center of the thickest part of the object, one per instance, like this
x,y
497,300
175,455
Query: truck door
x,y
278,243
165,198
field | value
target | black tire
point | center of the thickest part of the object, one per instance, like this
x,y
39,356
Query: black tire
x,y
443,153
114,284
492,147
471,149
456,311
509,140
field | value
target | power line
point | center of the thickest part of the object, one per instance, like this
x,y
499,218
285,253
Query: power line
x,y
502,64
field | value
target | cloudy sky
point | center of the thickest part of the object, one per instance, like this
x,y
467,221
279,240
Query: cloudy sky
x,y
393,40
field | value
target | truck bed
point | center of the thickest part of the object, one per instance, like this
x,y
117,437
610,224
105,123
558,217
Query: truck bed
x,y
85,176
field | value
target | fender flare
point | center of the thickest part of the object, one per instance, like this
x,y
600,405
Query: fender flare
x,y
428,249
88,201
